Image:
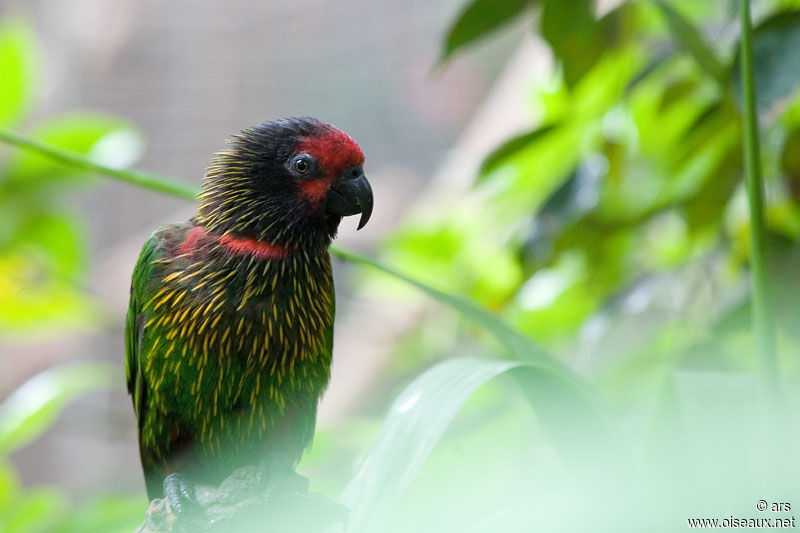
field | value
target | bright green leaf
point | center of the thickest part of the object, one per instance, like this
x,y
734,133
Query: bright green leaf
x,y
501,154
110,514
17,69
37,510
31,300
56,239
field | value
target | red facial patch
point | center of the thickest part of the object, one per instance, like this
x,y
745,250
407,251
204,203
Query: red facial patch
x,y
335,151
260,249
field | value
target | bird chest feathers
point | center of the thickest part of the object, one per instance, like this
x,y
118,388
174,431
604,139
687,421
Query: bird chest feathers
x,y
233,338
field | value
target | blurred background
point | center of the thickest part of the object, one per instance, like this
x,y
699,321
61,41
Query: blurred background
x,y
573,167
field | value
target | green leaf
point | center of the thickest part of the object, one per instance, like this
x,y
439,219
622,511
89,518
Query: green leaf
x,y
34,406
31,300
512,146
101,154
776,60
422,412
84,133
56,240
415,423
37,510
574,35
479,19
566,406
519,345
18,66
110,514
688,36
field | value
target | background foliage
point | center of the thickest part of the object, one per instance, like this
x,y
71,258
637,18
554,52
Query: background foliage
x,y
603,256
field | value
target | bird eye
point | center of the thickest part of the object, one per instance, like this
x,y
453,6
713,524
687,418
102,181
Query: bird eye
x,y
302,164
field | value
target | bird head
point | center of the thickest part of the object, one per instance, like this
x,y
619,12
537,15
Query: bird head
x,y
287,182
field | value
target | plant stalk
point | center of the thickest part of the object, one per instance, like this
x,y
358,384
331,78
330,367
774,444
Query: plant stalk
x,y
763,321
134,177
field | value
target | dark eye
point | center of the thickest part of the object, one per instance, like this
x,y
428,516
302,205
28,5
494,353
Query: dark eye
x,y
301,164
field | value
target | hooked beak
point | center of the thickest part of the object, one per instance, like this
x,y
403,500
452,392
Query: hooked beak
x,y
349,195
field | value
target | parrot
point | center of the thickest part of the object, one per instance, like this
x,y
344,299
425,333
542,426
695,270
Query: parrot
x,y
229,329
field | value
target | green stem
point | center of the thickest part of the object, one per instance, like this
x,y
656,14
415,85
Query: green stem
x,y
134,177
763,317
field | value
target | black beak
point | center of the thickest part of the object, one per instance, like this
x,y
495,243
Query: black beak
x,y
349,195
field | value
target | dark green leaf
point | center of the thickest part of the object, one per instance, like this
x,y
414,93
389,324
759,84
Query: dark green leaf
x,y
776,60
574,35
688,36
479,19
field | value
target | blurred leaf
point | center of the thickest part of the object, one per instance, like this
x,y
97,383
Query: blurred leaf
x,y
574,35
478,19
790,162
499,155
80,132
31,300
519,345
57,238
688,36
110,514
8,485
34,406
17,69
37,510
416,421
424,409
776,59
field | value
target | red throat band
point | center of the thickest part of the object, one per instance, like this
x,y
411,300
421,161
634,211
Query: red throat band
x,y
235,245
253,247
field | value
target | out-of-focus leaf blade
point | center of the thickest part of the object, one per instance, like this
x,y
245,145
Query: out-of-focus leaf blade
x,y
500,154
564,403
114,514
57,239
38,510
423,411
33,407
480,18
416,421
776,59
522,347
574,35
688,36
81,133
30,300
17,69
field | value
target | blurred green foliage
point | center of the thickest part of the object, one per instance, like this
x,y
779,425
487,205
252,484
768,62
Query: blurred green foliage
x,y
603,253
42,248
43,261
615,234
